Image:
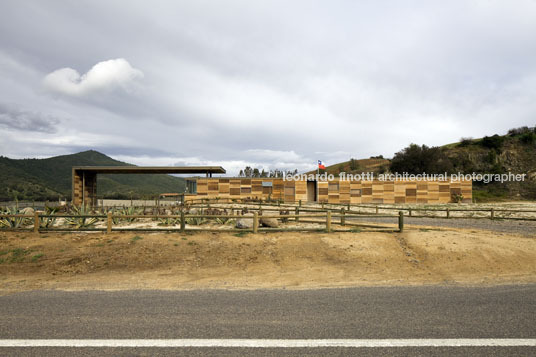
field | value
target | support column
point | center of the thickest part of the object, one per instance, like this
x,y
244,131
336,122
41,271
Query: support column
x,y
78,188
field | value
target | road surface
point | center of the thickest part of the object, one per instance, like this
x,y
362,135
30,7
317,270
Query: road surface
x,y
370,316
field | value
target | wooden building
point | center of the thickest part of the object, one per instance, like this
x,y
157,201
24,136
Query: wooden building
x,y
84,187
333,191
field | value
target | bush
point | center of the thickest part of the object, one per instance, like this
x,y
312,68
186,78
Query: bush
x,y
354,165
417,159
466,141
528,138
492,142
519,131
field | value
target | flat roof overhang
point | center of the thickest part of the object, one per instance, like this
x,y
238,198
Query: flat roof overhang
x,y
151,169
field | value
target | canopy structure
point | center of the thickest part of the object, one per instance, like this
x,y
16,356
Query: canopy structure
x,y
84,184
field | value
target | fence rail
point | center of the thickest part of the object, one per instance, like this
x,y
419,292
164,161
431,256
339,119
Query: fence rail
x,y
409,211
325,219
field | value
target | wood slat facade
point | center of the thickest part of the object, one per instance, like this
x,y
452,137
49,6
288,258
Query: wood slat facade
x,y
334,191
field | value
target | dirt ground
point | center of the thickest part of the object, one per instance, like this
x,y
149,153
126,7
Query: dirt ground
x,y
77,261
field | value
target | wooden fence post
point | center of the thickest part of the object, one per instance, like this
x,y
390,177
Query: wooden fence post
x,y
297,212
410,212
109,223
492,214
255,222
36,222
448,212
376,209
400,221
348,207
300,203
183,222
343,218
328,221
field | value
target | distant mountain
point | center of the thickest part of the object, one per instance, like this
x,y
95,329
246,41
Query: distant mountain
x,y
50,179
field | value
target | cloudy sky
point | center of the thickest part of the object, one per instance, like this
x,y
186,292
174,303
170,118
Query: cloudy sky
x,y
273,84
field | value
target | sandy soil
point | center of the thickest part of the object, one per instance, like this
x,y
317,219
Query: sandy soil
x,y
75,261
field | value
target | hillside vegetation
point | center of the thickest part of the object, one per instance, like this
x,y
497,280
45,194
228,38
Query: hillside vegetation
x,y
50,179
514,152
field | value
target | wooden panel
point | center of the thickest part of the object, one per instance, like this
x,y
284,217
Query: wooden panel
x,y
235,191
333,192
223,187
411,192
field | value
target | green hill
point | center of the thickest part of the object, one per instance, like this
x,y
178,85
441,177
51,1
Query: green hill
x,y
50,179
514,152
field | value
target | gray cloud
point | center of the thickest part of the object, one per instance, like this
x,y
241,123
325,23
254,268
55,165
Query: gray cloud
x,y
249,83
26,120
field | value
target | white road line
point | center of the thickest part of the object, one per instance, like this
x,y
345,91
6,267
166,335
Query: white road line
x,y
275,343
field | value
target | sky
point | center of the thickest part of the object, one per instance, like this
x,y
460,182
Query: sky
x,y
269,84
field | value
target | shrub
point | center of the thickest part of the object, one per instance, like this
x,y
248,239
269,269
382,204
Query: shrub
x,y
519,131
457,197
13,222
79,220
466,141
416,159
528,138
492,142
354,165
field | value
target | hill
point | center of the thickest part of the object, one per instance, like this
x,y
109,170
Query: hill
x,y
50,179
514,152
354,166
498,154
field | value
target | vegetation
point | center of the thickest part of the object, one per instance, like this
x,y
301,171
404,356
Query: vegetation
x,y
255,172
135,239
37,257
492,142
417,159
168,221
13,222
195,221
127,211
47,222
79,220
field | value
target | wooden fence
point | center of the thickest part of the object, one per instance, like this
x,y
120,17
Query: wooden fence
x,y
492,213
327,219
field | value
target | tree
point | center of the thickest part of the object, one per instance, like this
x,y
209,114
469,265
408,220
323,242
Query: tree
x,y
354,165
493,142
416,159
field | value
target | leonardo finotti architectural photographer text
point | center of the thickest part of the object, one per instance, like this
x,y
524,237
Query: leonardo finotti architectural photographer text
x,y
370,176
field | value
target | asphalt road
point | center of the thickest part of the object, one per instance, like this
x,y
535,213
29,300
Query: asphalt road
x,y
442,312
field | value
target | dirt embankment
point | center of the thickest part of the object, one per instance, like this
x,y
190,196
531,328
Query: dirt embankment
x,y
275,260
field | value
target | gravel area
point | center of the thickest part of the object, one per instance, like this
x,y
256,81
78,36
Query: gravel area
x,y
526,228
